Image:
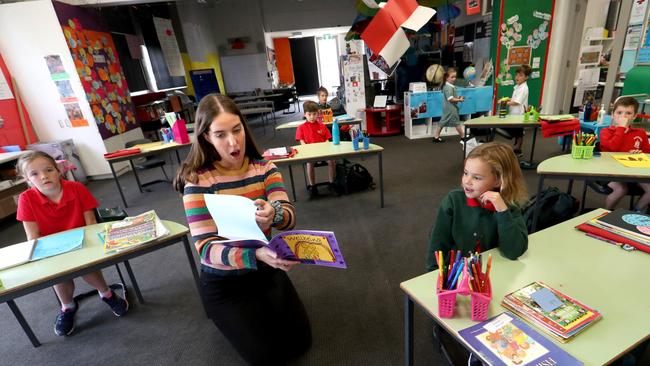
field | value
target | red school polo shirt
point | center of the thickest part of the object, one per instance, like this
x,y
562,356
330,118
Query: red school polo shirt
x,y
51,217
311,132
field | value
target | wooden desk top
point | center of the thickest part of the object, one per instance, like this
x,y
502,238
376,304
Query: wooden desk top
x,y
495,121
326,150
92,252
598,274
603,166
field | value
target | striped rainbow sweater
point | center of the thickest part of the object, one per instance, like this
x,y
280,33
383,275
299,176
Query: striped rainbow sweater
x,y
257,179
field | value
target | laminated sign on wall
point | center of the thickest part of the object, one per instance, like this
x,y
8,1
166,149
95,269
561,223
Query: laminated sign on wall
x,y
169,46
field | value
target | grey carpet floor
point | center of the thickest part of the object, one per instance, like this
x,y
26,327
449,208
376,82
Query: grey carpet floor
x,y
356,314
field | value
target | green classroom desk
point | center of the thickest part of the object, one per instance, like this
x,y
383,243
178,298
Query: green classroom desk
x,y
295,124
490,122
328,151
33,276
598,274
602,167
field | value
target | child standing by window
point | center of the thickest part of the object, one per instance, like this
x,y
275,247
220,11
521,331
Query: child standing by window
x,y
485,212
450,115
310,132
51,205
518,105
620,137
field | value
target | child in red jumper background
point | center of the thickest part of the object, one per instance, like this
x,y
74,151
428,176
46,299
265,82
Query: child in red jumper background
x,y
311,132
620,137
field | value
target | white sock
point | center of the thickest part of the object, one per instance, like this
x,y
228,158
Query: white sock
x,y
71,306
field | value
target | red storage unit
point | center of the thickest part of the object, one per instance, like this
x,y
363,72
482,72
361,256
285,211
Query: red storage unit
x,y
384,121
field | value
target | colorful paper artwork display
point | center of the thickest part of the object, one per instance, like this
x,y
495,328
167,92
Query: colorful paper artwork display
x,y
67,96
101,75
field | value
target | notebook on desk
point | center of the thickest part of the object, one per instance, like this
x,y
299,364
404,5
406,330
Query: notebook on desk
x,y
47,246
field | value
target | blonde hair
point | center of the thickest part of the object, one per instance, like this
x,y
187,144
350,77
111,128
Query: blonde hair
x,y
505,167
28,158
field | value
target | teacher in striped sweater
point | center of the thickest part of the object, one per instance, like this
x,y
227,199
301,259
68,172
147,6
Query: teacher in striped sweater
x,y
248,294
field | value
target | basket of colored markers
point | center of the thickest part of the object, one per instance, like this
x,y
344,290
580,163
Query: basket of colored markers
x,y
583,145
464,276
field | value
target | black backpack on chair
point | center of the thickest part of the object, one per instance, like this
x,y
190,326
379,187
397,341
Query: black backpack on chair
x,y
554,207
352,177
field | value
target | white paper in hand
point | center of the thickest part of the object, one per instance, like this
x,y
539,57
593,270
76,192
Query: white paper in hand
x,y
234,216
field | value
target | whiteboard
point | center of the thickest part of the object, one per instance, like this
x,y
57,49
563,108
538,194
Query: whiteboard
x,y
243,73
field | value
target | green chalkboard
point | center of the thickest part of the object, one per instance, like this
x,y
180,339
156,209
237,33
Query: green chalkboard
x,y
521,32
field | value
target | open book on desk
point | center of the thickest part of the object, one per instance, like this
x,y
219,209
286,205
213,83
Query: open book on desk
x,y
47,246
235,218
132,231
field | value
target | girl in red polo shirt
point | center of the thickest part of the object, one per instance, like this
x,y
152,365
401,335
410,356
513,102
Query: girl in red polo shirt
x,y
51,205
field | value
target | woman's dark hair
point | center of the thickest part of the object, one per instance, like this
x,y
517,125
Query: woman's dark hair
x,y
202,154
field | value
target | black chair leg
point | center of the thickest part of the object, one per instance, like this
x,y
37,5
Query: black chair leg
x,y
119,273
164,173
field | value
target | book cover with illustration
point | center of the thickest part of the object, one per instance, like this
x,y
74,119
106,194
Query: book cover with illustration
x,y
506,340
235,218
566,318
633,223
132,231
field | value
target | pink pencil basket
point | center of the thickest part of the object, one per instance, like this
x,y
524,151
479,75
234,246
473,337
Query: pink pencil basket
x,y
480,300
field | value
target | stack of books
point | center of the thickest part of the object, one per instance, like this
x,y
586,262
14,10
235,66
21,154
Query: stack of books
x,y
552,311
620,227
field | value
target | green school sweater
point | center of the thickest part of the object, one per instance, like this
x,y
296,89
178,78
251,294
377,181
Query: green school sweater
x,y
459,226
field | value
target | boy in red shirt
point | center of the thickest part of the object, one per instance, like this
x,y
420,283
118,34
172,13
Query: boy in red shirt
x,y
620,137
310,132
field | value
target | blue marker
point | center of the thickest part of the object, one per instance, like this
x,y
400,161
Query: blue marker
x,y
460,269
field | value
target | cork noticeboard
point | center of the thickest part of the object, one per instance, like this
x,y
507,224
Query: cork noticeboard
x,y
519,56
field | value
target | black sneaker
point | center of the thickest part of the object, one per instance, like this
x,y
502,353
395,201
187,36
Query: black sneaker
x,y
313,191
518,153
331,189
118,305
64,324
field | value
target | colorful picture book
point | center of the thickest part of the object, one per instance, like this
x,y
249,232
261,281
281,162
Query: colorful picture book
x,y
552,311
235,218
47,246
620,227
633,160
506,340
133,231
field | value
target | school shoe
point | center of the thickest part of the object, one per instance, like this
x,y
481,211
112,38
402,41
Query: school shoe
x,y
64,324
437,140
118,305
518,153
313,191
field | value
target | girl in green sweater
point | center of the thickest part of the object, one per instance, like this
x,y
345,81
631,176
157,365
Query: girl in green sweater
x,y
485,212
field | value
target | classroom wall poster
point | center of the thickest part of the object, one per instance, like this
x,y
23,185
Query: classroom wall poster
x,y
524,31
98,66
61,80
169,46
637,15
353,79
